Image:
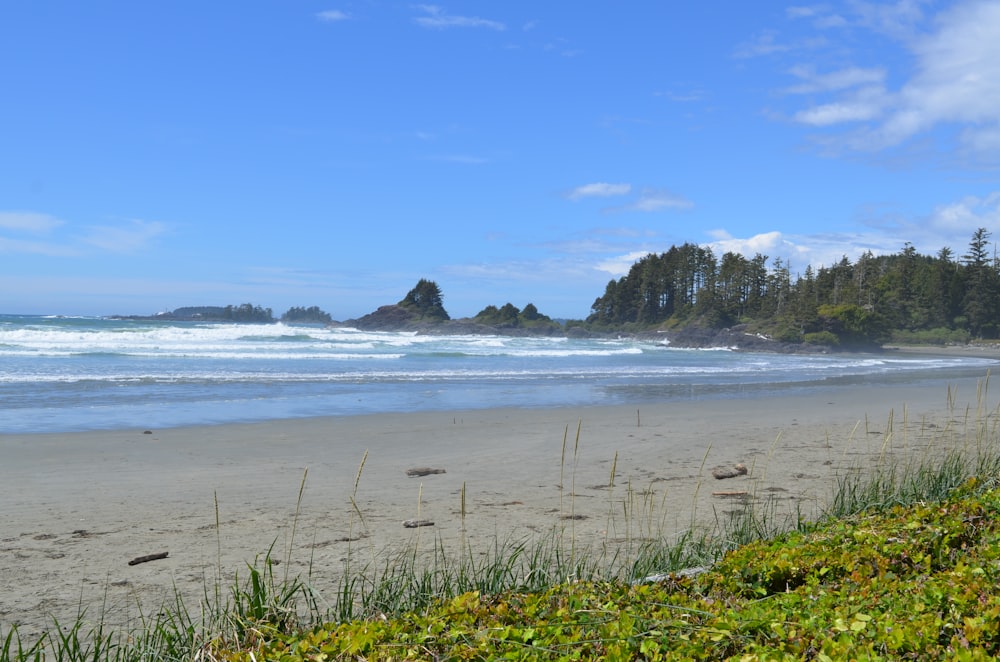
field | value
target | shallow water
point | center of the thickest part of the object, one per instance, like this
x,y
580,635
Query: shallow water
x,y
64,374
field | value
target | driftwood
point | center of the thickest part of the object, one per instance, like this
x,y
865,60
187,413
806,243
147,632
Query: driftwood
x,y
414,523
148,557
663,576
737,494
725,472
423,471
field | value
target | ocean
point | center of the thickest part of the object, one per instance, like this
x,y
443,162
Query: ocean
x,y
60,374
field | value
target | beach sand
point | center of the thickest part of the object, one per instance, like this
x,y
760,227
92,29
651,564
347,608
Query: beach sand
x,y
76,508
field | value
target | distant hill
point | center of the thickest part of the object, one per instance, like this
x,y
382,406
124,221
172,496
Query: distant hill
x,y
246,312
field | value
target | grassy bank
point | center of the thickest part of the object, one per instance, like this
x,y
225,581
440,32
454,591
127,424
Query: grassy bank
x,y
901,562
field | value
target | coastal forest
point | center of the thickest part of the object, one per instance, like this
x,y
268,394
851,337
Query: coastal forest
x,y
904,297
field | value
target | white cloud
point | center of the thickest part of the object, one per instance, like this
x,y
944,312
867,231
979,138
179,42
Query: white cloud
x,y
863,105
830,21
651,200
333,16
965,216
958,75
802,12
767,243
954,87
800,251
897,19
437,18
841,79
821,16
619,265
27,221
598,190
980,141
951,224
767,43
124,239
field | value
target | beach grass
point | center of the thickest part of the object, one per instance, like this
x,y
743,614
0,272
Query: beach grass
x,y
918,463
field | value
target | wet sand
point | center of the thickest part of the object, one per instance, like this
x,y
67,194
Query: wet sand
x,y
76,508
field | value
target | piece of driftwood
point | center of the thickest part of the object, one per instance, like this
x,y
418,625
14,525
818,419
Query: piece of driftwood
x,y
726,472
147,558
731,494
415,523
662,576
423,471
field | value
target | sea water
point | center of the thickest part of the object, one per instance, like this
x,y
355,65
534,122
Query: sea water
x,y
63,374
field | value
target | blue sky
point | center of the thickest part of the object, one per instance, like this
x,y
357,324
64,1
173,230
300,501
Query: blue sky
x,y
297,153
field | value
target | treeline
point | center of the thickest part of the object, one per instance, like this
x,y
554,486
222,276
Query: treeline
x,y
509,316
905,296
310,315
247,312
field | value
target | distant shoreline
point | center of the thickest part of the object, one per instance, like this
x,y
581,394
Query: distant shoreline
x,y
729,338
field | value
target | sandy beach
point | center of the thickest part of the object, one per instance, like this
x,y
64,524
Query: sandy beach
x,y
76,508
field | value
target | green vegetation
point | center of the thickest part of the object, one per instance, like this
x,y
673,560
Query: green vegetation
x,y
426,300
310,315
509,317
915,582
903,562
904,296
247,312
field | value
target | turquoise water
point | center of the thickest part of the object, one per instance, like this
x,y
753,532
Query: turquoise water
x,y
63,374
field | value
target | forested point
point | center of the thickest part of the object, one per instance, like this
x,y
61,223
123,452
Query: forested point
x,y
904,297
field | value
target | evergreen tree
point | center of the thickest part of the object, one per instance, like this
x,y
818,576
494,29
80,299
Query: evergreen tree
x,y
426,299
312,314
980,302
530,313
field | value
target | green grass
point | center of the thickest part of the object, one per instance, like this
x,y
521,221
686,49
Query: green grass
x,y
916,582
770,580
